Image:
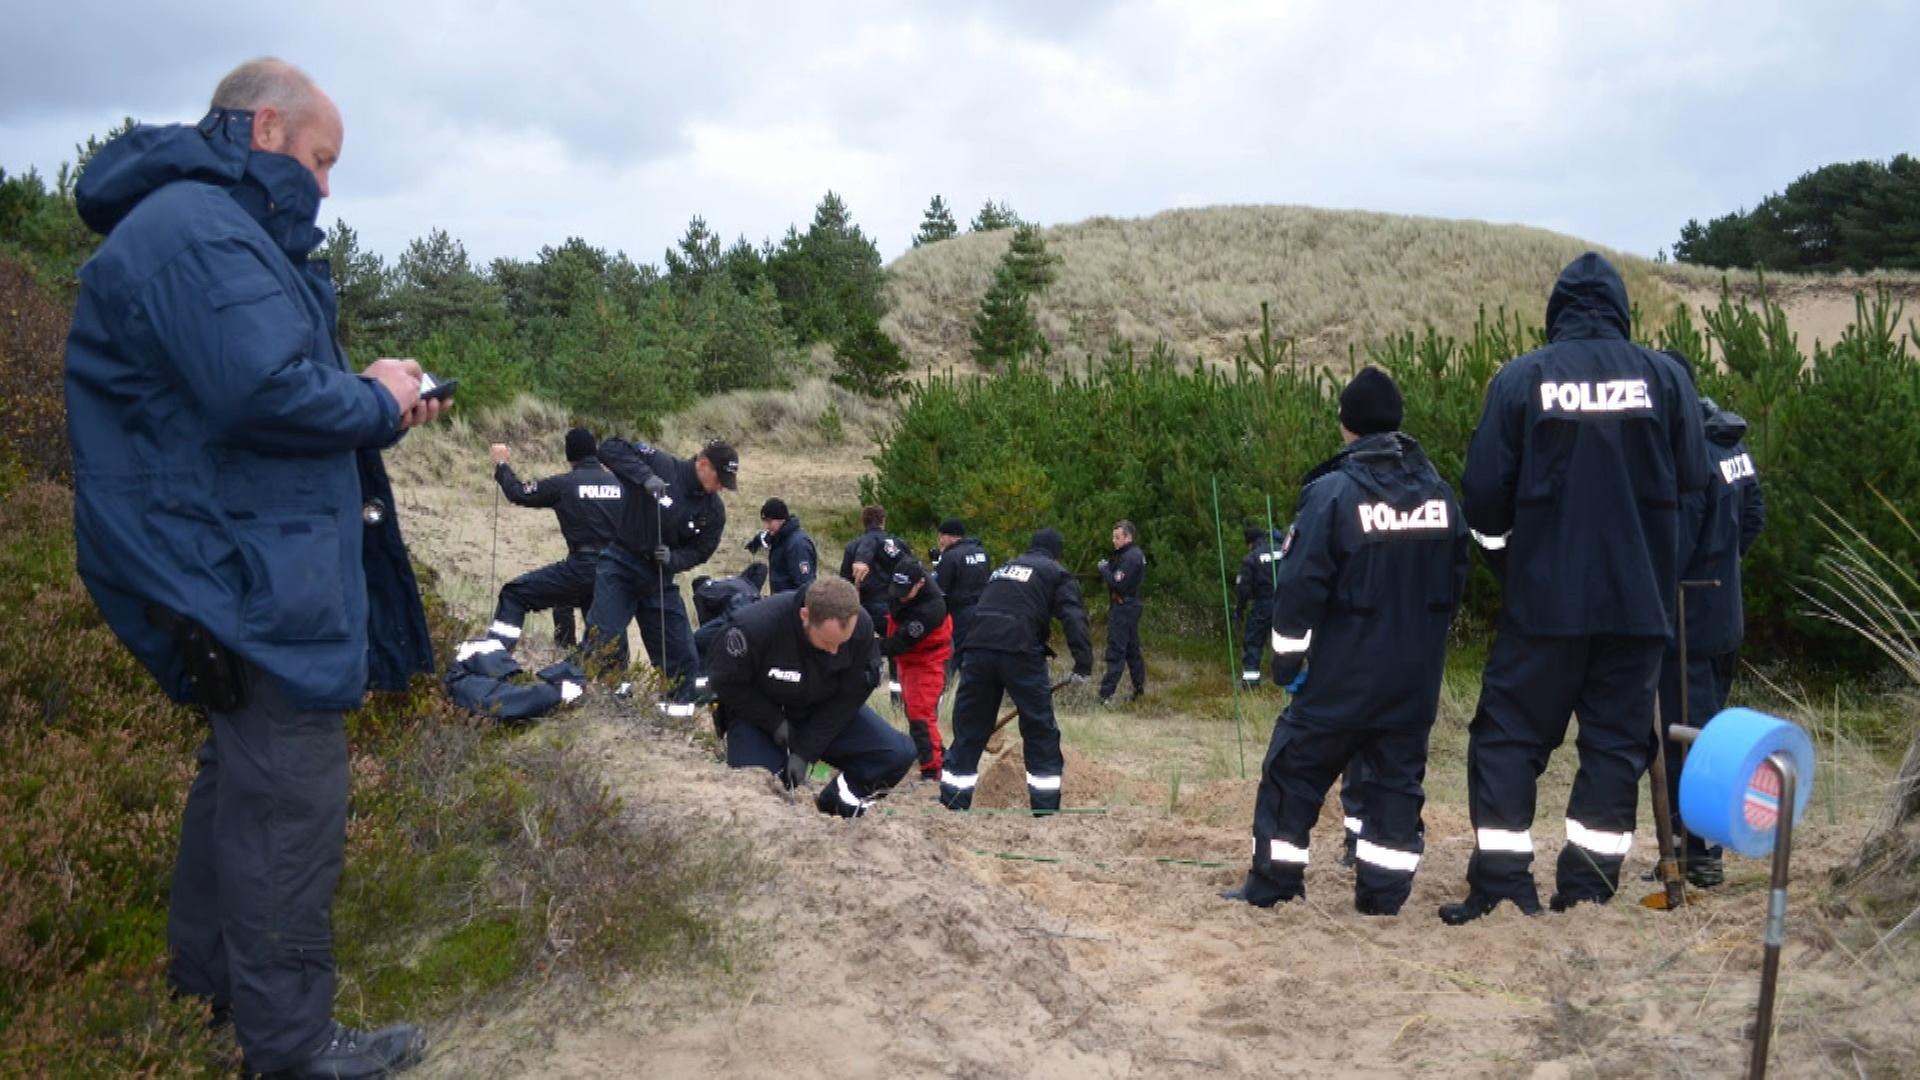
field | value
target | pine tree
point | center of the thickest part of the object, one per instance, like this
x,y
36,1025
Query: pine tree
x,y
937,225
1004,329
870,363
695,260
1027,256
994,216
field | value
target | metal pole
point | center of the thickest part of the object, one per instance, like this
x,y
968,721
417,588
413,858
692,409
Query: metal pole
x,y
1226,610
1686,700
493,560
1675,894
1776,913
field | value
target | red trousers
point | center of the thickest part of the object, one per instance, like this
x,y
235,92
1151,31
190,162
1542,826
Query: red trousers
x,y
923,675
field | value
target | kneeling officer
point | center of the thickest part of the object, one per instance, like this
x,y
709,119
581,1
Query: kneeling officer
x,y
792,675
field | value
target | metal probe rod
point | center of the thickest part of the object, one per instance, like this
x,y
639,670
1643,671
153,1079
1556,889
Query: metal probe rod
x,y
1776,913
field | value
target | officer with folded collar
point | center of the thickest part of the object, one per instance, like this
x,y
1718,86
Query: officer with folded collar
x,y
1006,654
586,500
792,675
1369,577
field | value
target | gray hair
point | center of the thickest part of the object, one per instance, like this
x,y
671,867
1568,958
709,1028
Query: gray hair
x,y
267,81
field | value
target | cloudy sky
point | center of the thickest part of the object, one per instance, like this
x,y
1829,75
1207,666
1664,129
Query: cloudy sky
x,y
515,125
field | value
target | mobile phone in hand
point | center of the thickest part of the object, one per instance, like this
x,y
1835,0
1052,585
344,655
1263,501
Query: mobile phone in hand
x,y
432,389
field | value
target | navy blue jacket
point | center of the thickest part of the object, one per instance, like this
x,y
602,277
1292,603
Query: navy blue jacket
x,y
881,551
1719,526
1370,575
765,671
1124,572
714,598
1575,473
691,517
1254,584
791,556
586,499
223,450
1021,600
910,621
961,571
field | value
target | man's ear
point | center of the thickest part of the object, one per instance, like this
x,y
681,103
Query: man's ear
x,y
269,129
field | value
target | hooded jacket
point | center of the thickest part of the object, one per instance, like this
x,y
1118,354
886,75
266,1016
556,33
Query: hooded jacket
x,y
688,521
1370,575
223,450
1575,473
1720,526
962,571
1022,598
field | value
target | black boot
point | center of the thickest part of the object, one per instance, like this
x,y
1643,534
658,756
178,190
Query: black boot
x,y
1259,893
1478,903
351,1053
1705,871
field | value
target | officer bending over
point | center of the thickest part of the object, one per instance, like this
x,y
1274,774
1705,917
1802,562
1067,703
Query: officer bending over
x,y
586,500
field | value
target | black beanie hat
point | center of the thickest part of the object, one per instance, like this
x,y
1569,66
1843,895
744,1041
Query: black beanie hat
x,y
774,509
1050,542
1253,533
580,444
1371,403
953,527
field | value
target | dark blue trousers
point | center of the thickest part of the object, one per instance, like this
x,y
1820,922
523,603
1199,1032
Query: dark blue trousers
x,y
630,588
249,920
1256,646
870,755
1123,650
561,586
1709,681
985,677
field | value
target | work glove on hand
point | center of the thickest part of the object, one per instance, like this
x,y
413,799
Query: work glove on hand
x,y
1102,564
662,554
795,774
655,487
783,735
756,542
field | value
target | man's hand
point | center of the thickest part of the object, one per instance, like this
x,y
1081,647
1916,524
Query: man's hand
x,y
500,453
1101,565
662,554
401,379
860,571
655,487
795,774
783,735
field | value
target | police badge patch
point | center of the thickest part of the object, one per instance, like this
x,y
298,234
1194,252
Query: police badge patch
x,y
530,487
736,642
1286,545
916,629
806,567
891,547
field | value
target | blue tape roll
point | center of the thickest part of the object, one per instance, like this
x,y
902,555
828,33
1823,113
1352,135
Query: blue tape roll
x,y
1728,793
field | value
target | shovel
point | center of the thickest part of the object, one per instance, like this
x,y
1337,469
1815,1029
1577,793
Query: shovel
x,y
1673,893
992,747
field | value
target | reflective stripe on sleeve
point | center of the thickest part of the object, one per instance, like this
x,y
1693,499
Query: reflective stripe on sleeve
x,y
893,686
959,781
1285,645
1369,852
1353,825
1043,783
1600,842
846,793
1281,851
1491,543
505,630
1504,841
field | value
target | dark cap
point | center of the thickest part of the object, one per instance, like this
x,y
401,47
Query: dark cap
x,y
1050,542
1253,533
1371,403
906,574
725,462
953,527
580,444
774,510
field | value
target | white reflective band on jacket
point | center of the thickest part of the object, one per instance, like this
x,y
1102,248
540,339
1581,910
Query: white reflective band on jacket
x,y
957,780
1281,851
1285,645
1491,543
700,682
1612,844
1369,852
505,630
679,708
476,648
570,690
893,686
847,796
1250,676
1043,783
1504,841
1353,825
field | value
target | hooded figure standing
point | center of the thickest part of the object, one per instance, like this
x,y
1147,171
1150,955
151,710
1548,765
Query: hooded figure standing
x,y
1573,485
1370,575
234,524
1006,653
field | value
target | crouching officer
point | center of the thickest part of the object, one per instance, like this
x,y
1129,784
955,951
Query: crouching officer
x,y
1006,653
1718,527
714,602
919,641
1372,571
1573,483
1253,587
792,674
586,500
671,519
790,552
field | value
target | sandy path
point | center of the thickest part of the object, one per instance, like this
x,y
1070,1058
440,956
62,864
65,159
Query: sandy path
x,y
921,943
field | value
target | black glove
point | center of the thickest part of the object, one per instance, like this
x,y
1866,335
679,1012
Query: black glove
x,y
655,487
662,554
795,774
783,735
756,542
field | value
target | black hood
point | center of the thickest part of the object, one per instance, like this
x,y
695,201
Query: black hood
x,y
1724,427
1390,466
1049,542
1589,301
